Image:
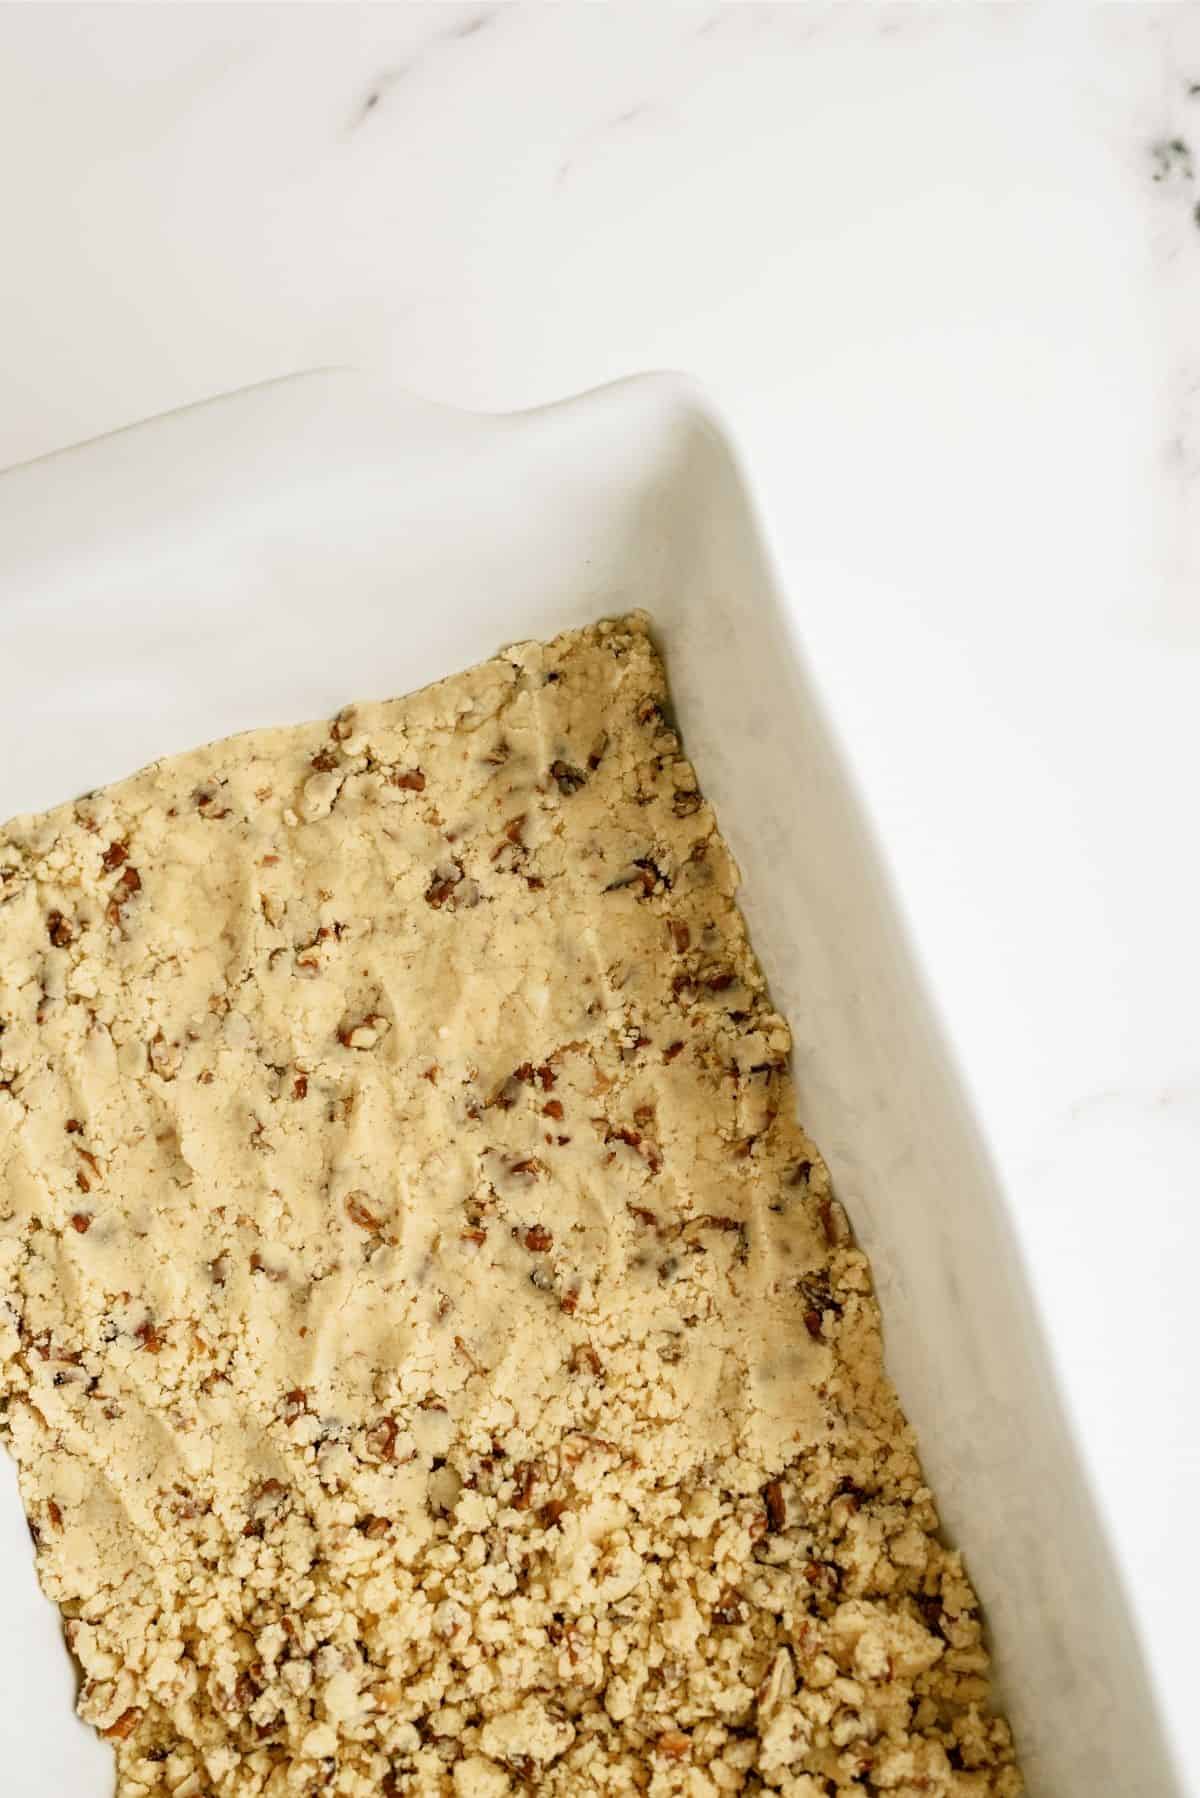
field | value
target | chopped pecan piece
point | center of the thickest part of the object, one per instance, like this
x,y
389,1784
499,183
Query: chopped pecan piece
x,y
443,885
124,889
366,1033
123,1728
596,753
835,1225
817,1298
566,777
381,1438
525,1476
358,1212
259,1266
59,930
293,1404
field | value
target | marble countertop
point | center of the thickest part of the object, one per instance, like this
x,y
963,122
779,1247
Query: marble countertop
x,y
941,269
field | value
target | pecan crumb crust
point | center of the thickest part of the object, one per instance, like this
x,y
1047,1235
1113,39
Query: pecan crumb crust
x,y
460,1379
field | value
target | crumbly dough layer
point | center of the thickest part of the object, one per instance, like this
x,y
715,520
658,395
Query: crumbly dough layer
x,y
433,1356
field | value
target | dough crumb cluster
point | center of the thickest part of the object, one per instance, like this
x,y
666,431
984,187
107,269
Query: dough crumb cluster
x,y
434,1359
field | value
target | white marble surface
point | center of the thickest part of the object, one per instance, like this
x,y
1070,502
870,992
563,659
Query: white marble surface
x,y
942,269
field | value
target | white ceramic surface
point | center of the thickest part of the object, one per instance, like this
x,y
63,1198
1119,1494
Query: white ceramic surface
x,y
276,553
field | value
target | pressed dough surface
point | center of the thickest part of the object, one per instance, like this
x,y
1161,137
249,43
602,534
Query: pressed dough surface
x,y
434,1360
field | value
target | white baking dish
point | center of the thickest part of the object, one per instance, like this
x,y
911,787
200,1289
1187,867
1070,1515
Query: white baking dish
x,y
268,556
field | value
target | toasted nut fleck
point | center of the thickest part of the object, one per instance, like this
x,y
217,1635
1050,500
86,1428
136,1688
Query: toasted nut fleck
x,y
834,1223
567,778
381,1438
123,1728
58,930
358,1213
525,1476
293,1404
441,889
259,1266
709,1221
